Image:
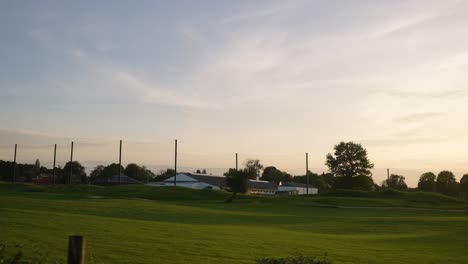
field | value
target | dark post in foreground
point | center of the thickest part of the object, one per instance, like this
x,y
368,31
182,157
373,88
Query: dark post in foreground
x,y
76,250
236,163
71,164
175,164
307,172
120,162
14,165
55,157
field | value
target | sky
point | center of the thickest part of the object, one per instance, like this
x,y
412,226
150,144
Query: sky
x,y
265,79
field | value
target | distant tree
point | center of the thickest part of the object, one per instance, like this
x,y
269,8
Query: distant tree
x,y
315,181
78,173
140,173
198,171
96,173
272,174
329,180
237,181
112,170
348,163
464,184
446,183
427,182
253,168
396,182
203,171
38,164
287,177
164,174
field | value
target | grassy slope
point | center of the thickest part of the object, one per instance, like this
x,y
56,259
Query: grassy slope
x,y
138,224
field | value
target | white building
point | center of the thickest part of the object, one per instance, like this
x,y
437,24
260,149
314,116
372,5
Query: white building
x,y
203,181
296,188
195,181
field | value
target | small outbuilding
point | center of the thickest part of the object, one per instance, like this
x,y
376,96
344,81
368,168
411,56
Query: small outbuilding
x,y
293,188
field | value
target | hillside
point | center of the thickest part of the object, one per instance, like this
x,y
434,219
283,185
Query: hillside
x,y
141,224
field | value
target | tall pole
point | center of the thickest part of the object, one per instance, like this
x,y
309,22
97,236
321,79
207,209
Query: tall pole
x,y
120,162
388,176
307,172
55,158
236,162
175,164
14,164
71,164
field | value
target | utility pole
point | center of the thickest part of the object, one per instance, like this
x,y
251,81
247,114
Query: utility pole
x,y
71,164
120,162
236,162
307,172
55,158
14,165
388,176
175,164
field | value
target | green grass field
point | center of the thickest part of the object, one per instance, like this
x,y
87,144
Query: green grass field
x,y
141,224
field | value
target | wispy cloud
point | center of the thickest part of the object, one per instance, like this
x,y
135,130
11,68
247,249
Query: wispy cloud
x,y
418,117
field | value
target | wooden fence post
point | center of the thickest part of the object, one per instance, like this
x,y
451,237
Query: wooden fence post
x,y
76,250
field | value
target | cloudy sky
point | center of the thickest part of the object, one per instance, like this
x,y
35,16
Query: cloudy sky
x,y
266,79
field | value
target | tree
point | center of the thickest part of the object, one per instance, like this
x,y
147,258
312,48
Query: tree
x,y
348,163
446,183
112,170
464,184
427,182
272,174
253,168
96,173
396,182
77,171
315,180
140,173
237,181
164,174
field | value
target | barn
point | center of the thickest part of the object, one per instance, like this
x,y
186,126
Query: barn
x,y
203,181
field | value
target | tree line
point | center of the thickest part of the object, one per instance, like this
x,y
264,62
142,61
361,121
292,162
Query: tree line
x,y
348,168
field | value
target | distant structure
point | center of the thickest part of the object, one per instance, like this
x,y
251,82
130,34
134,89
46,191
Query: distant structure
x,y
203,181
295,188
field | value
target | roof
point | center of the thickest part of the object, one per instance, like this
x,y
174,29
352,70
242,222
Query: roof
x,y
220,181
295,184
115,180
262,185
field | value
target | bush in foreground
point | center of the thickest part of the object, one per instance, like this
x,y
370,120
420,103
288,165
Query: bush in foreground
x,y
294,260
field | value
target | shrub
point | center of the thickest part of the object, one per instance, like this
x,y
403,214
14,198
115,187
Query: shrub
x,y
294,260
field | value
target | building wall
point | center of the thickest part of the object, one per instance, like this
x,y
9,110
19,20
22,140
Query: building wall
x,y
192,185
300,190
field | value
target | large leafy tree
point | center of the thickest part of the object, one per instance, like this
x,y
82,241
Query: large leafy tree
x,y
272,174
140,173
78,173
96,173
446,183
427,182
464,184
350,165
237,181
253,168
396,182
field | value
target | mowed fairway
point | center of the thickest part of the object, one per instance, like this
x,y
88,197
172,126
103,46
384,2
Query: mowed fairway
x,y
142,224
